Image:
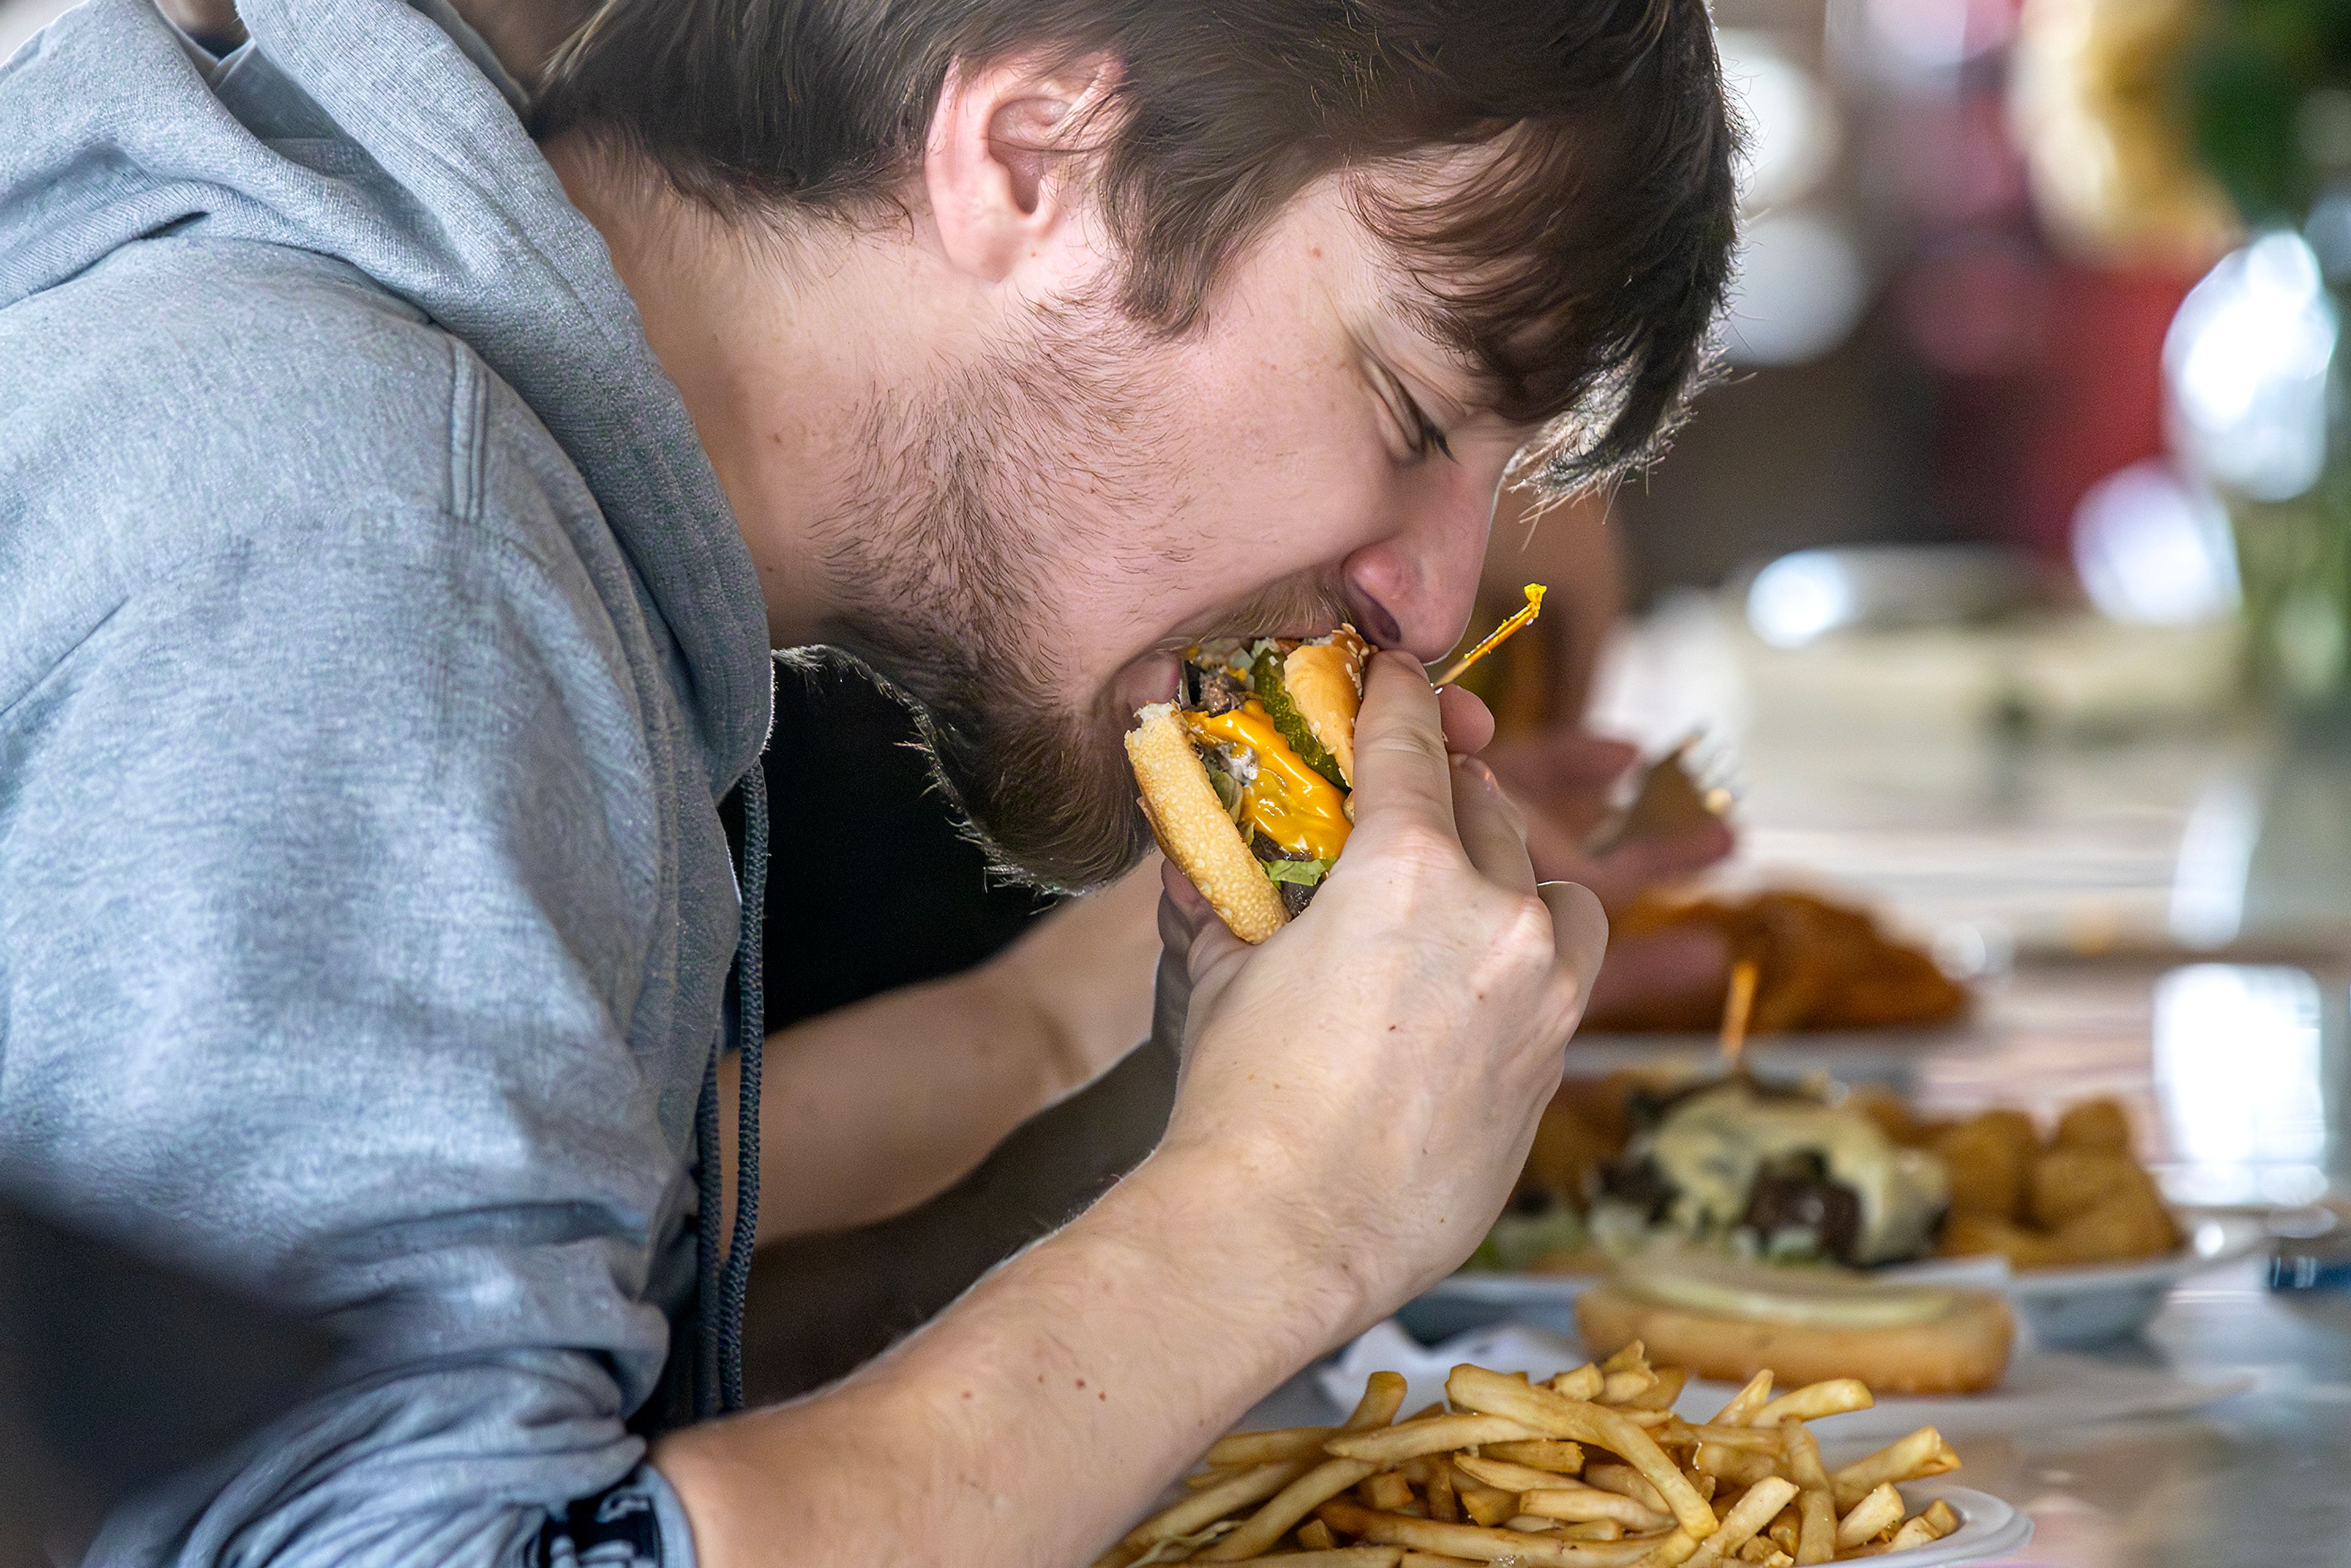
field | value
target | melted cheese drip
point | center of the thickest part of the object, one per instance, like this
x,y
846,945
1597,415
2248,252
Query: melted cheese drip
x,y
1498,636
1711,1145
1291,803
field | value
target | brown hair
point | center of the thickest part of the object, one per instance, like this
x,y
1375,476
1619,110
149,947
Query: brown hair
x,y
1580,266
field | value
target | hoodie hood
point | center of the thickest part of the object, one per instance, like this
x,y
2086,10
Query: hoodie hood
x,y
385,134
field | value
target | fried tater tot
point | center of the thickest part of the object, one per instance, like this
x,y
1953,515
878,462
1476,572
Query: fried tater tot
x,y
1991,1158
2094,1126
1971,1235
1896,1119
2067,1183
2124,1227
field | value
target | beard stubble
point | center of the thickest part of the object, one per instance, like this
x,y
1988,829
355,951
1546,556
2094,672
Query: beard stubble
x,y
975,493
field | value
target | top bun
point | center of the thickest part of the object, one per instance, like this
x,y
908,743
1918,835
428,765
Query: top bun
x,y
1325,683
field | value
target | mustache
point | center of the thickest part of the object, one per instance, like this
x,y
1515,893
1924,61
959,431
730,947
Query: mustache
x,y
1303,608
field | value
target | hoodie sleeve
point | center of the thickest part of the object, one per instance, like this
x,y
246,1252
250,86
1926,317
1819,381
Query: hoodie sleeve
x,y
328,867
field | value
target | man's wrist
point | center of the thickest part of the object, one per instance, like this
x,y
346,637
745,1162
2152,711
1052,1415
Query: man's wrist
x,y
1234,1214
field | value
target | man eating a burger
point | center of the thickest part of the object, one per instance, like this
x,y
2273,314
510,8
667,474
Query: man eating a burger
x,y
368,913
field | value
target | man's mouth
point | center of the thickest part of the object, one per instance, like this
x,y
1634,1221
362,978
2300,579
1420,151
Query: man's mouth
x,y
1154,678
1298,616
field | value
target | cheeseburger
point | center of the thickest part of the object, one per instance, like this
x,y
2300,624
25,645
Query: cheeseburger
x,y
1245,776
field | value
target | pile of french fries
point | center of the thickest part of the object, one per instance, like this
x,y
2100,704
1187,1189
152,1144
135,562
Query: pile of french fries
x,y
1590,1470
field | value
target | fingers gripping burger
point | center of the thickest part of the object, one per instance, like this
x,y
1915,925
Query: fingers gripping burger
x,y
1245,776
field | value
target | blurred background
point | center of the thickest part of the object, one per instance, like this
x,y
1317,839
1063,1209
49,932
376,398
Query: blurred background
x,y
2006,569
2005,578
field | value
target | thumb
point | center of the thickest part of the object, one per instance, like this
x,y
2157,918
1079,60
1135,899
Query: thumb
x,y
1215,958
1217,955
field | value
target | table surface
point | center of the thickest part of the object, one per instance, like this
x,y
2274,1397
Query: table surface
x,y
2082,868
2258,1478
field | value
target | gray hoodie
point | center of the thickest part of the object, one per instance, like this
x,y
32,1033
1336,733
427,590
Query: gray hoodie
x,y
374,644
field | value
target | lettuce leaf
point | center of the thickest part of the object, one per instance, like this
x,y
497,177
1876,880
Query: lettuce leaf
x,y
1518,1241
1227,788
1306,874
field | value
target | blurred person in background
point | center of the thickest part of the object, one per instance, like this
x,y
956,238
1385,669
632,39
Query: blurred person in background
x,y
407,682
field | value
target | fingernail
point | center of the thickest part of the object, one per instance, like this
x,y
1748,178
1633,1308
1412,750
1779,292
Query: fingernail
x,y
1476,768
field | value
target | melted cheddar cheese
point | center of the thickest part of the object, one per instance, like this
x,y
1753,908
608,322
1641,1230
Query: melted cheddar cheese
x,y
1289,802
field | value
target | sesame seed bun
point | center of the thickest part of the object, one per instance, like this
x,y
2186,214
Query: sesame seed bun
x,y
1194,829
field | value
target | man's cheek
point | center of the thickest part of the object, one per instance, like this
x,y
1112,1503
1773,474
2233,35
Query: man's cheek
x,y
1293,508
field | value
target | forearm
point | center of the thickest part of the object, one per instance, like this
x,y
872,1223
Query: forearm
x,y
867,1111
1041,1414
870,1110
1357,1096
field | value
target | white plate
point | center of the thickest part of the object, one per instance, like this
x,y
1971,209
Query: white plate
x,y
1885,1057
1989,1528
2042,1389
2105,1302
2063,1307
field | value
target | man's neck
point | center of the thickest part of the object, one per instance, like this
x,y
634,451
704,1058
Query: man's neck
x,y
720,337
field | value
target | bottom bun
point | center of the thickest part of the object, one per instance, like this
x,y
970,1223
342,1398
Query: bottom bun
x,y
1963,1350
1194,831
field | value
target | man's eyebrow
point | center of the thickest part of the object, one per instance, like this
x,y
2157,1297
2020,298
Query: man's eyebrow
x,y
1451,352
1473,395
1447,380
1478,391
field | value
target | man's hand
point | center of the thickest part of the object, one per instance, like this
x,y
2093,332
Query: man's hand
x,y
1357,1097
1377,1068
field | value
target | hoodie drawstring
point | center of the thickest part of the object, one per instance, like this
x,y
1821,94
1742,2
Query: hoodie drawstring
x,y
718,1367
752,1039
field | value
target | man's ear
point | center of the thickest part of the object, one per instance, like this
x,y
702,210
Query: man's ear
x,y
1000,162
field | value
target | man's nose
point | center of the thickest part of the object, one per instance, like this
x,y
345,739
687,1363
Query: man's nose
x,y
1416,588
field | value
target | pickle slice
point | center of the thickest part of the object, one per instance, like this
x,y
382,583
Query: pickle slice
x,y
1266,676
